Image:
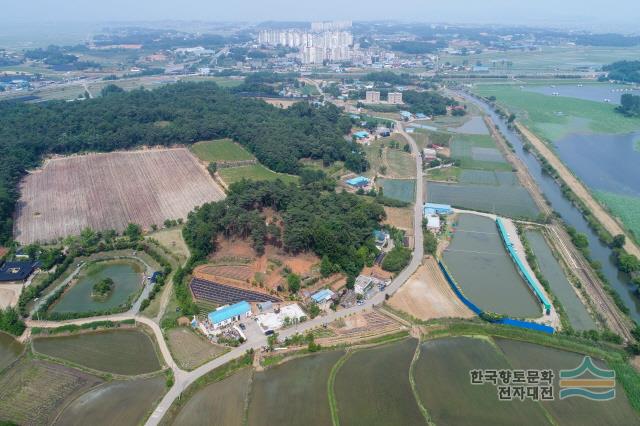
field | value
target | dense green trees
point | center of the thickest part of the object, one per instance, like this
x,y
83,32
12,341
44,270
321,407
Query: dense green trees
x,y
11,322
429,103
626,71
194,111
396,259
334,226
629,105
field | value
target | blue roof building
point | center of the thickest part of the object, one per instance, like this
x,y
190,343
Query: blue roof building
x,y
228,314
322,295
430,208
405,114
17,271
358,181
420,115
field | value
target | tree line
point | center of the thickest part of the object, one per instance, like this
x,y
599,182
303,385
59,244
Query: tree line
x,y
195,111
429,102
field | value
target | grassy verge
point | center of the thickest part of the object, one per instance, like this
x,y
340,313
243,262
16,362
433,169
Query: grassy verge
x,y
333,402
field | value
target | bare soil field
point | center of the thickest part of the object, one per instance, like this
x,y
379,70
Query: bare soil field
x,y
363,325
427,295
191,350
172,239
9,294
108,191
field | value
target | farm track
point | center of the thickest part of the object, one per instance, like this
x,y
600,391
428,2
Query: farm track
x,y
108,191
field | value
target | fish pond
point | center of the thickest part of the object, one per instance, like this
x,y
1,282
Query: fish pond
x,y
479,263
126,275
126,352
579,317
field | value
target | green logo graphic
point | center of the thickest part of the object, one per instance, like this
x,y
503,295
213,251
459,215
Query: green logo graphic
x,y
588,381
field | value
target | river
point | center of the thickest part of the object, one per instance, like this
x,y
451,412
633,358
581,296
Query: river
x,y
569,213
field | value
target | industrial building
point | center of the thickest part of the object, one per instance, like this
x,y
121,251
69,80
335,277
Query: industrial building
x,y
275,320
433,222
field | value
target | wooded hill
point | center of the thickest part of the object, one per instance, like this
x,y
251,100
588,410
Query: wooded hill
x,y
180,113
336,226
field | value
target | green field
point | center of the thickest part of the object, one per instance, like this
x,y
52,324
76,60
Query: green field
x,y
372,387
478,152
625,207
273,388
442,380
220,150
115,403
10,350
448,174
399,189
191,350
220,403
553,117
127,352
253,172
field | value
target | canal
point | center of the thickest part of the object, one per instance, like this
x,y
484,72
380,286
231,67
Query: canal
x,y
569,213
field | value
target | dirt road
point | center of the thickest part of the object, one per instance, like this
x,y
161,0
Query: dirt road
x,y
607,221
427,295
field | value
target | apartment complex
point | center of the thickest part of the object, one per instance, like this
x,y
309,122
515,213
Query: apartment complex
x,y
372,97
394,97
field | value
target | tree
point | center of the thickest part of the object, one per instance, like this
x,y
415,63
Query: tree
x,y
314,310
326,268
88,237
133,232
618,241
212,168
430,243
627,262
396,259
406,148
272,340
293,282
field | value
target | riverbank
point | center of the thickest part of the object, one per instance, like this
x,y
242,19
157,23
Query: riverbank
x,y
599,212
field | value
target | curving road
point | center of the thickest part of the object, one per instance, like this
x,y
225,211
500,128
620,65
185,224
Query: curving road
x,y
185,378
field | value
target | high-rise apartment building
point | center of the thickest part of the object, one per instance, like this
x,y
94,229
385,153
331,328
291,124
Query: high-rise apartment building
x,y
372,97
394,97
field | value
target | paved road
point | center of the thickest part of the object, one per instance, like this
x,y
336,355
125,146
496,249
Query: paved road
x,y
184,379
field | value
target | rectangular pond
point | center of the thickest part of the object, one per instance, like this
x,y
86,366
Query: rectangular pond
x,y
479,263
579,317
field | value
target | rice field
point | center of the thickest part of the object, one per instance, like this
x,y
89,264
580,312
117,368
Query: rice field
x,y
399,189
220,150
570,411
33,392
115,403
108,191
625,207
442,380
10,350
478,152
221,403
478,261
125,352
372,387
191,350
272,390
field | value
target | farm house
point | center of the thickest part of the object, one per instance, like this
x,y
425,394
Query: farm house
x,y
229,314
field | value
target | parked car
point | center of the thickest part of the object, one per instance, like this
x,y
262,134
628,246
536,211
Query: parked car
x,y
242,326
268,332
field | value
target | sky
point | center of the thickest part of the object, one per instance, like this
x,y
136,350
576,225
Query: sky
x,y
598,15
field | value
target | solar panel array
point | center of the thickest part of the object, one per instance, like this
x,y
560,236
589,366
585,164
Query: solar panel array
x,y
223,294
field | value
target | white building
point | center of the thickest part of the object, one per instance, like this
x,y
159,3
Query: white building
x,y
429,154
433,223
275,321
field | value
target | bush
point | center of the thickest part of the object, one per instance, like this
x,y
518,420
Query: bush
x,y
397,259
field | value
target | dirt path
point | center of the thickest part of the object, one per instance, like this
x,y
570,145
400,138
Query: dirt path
x,y
427,295
607,221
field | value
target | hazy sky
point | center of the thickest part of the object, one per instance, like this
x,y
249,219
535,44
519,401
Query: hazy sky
x,y
602,15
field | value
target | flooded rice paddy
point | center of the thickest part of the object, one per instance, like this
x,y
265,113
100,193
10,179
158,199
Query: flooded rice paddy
x,y
10,350
560,286
399,189
127,277
475,126
114,403
589,92
478,261
127,352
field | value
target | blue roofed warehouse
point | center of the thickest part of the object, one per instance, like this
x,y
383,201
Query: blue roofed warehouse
x,y
358,182
228,314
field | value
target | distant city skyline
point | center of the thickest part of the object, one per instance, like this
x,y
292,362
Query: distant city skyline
x,y
620,15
